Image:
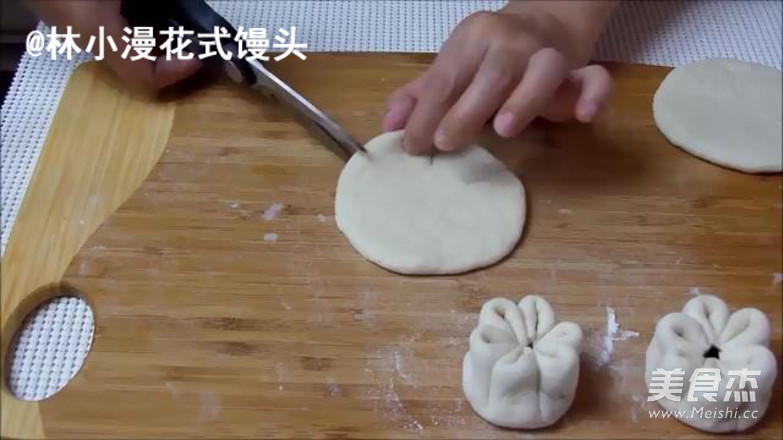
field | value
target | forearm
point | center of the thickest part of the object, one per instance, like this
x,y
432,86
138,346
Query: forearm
x,y
582,21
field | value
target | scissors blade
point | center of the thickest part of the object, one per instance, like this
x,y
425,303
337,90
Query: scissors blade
x,y
317,122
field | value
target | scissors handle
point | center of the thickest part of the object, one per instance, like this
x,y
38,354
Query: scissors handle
x,y
196,16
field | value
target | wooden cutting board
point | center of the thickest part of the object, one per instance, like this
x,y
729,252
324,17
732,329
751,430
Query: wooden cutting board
x,y
218,316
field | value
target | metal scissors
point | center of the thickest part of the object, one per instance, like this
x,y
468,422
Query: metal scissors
x,y
197,16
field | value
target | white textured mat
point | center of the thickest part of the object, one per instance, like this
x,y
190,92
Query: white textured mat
x,y
51,347
663,33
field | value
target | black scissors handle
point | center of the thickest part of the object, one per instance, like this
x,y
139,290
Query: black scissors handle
x,y
192,15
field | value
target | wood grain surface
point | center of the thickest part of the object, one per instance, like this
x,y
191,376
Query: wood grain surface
x,y
101,145
216,318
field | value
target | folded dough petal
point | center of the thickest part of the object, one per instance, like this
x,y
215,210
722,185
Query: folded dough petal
x,y
521,369
559,365
488,344
745,327
564,333
703,335
513,391
710,312
679,342
539,317
503,313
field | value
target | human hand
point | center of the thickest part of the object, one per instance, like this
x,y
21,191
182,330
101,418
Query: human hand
x,y
87,16
507,66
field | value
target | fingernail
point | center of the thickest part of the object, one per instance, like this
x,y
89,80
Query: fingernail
x,y
587,112
504,124
392,119
442,140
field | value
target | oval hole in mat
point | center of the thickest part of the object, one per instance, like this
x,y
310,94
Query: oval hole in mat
x,y
49,348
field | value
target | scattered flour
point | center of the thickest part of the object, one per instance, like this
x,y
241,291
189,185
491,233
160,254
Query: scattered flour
x,y
270,237
271,212
235,205
321,218
84,268
564,211
777,278
333,389
601,344
399,367
636,406
367,319
279,371
393,405
172,389
210,405
696,291
286,305
389,365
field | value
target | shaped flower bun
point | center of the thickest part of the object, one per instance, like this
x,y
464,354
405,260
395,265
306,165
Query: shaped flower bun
x,y
522,368
704,335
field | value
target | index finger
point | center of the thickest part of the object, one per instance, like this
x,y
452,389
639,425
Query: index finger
x,y
444,82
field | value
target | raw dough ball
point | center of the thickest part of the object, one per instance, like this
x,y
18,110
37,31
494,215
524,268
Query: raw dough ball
x,y
690,340
724,111
420,215
521,370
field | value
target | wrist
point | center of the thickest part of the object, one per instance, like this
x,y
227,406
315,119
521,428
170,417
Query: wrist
x,y
570,26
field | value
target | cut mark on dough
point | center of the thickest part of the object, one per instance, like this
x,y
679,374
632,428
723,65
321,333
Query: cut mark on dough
x,y
451,233
270,237
712,352
272,211
482,172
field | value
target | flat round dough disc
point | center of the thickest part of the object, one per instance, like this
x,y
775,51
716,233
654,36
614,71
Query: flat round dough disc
x,y
420,215
724,111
